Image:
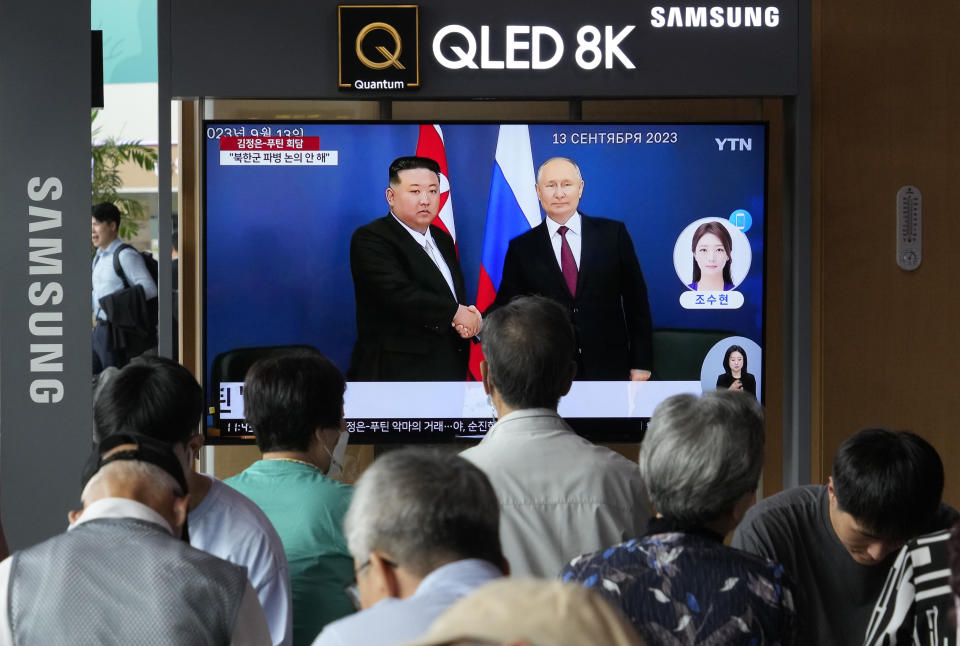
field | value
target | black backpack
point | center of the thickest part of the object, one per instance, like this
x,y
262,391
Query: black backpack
x,y
152,265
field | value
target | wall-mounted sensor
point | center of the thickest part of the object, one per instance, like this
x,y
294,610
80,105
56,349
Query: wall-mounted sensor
x,y
909,227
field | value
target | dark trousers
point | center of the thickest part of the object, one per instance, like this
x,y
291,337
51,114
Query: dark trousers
x,y
104,355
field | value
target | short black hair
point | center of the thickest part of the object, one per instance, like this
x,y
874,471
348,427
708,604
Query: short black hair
x,y
889,481
152,396
529,346
106,212
411,163
287,396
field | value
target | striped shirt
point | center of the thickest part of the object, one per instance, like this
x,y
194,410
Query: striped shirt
x,y
916,603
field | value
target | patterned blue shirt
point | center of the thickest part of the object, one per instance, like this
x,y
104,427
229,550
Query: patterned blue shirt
x,y
684,588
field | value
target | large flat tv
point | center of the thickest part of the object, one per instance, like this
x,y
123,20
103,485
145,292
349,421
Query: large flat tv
x,y
282,199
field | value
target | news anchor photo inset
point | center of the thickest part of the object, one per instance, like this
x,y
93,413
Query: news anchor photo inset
x,y
712,257
735,363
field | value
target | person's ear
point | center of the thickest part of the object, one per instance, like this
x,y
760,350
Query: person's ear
x,y
579,195
194,444
569,383
485,376
179,513
74,515
384,576
740,507
390,195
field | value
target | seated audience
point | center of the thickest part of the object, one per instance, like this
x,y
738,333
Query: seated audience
x,y
159,398
530,612
423,528
678,583
560,495
294,401
917,605
121,574
839,540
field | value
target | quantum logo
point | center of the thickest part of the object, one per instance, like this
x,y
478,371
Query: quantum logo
x,y
389,58
378,47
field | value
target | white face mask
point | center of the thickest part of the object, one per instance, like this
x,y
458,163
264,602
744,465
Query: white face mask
x,y
339,451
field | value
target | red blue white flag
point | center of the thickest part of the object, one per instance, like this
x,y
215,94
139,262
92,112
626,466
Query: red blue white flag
x,y
513,209
430,144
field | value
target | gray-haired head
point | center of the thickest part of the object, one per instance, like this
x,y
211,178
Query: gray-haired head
x,y
530,350
700,455
424,508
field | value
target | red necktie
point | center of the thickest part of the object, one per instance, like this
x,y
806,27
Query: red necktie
x,y
567,264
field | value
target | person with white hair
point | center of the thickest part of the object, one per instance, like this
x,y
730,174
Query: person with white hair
x,y
423,531
701,458
123,573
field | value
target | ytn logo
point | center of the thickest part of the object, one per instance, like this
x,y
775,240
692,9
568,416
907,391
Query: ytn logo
x,y
734,144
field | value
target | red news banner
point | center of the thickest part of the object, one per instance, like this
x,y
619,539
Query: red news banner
x,y
274,151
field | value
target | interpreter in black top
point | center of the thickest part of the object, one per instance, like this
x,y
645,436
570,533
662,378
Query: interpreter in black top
x,y
735,375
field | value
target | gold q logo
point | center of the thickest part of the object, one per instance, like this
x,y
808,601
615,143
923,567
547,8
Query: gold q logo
x,y
389,58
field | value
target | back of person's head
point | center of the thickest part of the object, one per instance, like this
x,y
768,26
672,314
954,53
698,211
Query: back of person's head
x,y
700,455
106,212
152,396
289,395
137,467
424,509
531,612
411,163
889,481
530,349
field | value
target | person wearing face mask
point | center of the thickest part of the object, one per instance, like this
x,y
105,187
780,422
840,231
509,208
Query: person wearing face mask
x,y
294,401
160,399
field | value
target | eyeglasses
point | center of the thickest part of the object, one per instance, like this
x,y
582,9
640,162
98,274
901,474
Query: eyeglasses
x,y
353,591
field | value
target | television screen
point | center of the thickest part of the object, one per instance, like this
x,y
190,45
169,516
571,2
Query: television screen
x,y
283,199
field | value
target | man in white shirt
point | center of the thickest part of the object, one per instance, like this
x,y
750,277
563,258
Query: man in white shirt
x,y
423,531
105,226
120,572
560,495
159,398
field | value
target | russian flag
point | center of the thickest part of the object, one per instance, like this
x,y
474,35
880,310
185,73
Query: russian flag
x,y
513,209
430,145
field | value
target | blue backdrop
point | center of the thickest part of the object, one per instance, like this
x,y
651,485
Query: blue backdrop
x,y
277,266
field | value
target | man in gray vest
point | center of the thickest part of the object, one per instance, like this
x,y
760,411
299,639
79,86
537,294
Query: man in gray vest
x,y
120,574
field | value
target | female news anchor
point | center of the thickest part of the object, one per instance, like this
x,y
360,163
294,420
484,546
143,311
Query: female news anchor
x,y
735,375
711,248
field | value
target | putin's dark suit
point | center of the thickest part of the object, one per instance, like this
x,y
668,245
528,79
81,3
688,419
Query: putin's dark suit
x,y
404,307
610,311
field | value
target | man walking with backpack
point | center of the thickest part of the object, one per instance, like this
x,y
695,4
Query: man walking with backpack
x,y
124,294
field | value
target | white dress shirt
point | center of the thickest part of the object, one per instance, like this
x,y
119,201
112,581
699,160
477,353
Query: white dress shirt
x,y
250,628
574,237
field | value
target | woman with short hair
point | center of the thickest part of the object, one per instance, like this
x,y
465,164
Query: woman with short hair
x,y
701,459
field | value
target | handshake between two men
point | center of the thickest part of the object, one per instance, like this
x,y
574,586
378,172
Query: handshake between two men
x,y
468,322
